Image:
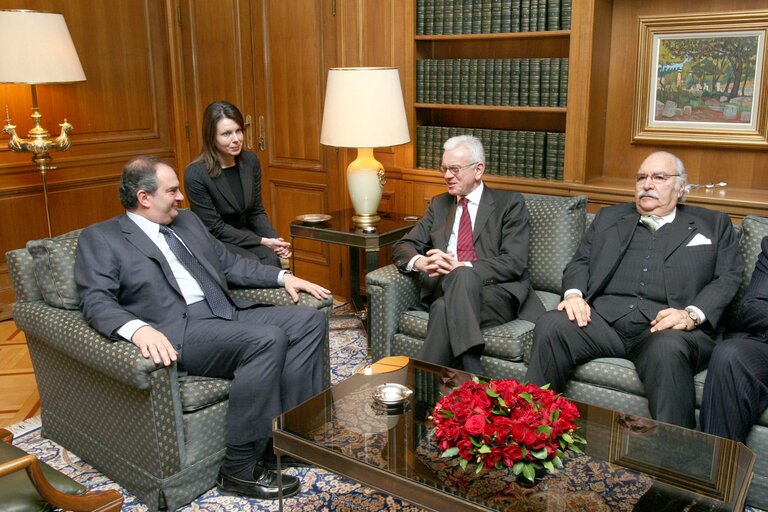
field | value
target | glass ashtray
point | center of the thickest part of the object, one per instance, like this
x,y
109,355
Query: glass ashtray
x,y
391,393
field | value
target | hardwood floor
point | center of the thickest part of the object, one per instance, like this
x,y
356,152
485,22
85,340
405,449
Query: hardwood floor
x,y
18,391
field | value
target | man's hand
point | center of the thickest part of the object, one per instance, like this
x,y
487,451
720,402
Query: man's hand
x,y
154,345
672,318
577,308
278,246
294,285
437,263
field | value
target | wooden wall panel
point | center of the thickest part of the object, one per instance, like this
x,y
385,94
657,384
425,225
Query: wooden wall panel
x,y
123,109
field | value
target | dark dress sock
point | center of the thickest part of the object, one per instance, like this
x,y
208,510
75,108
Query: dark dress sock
x,y
470,360
241,459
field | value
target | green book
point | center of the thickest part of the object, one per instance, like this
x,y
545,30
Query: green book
x,y
495,16
490,82
482,78
420,17
553,14
491,147
448,16
421,146
472,84
515,82
565,14
436,147
451,77
429,17
520,173
439,16
534,82
506,82
530,148
563,83
477,16
485,22
525,66
514,15
464,81
560,157
428,134
467,16
420,77
539,139
550,155
506,15
541,22
544,81
525,15
512,153
533,15
554,82
432,72
440,72
458,16
502,153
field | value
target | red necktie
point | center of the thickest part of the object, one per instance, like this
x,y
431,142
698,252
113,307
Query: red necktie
x,y
465,247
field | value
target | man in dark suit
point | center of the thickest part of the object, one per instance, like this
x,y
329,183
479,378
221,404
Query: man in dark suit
x,y
736,389
648,283
471,249
155,276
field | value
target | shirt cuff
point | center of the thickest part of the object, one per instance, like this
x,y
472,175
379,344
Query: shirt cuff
x,y
699,312
572,291
409,266
281,277
129,329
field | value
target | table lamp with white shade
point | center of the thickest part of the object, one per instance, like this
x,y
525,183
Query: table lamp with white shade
x,y
42,53
364,109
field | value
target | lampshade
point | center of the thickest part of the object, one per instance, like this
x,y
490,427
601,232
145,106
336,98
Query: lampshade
x,y
364,109
42,51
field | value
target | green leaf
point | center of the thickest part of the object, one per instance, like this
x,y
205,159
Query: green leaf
x,y
517,467
546,429
576,448
475,441
484,449
445,412
491,393
451,452
479,467
548,466
567,438
463,463
503,403
545,386
557,462
529,472
527,397
540,454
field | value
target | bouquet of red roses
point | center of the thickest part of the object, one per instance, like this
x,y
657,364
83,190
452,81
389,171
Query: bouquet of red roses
x,y
503,423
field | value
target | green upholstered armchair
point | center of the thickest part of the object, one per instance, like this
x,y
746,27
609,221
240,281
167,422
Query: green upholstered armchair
x,y
158,435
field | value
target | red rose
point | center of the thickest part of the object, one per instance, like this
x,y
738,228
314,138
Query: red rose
x,y
475,425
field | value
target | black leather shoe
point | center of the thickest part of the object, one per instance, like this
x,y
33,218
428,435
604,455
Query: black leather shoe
x,y
263,486
286,461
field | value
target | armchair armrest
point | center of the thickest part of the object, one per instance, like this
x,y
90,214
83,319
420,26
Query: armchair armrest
x,y
390,292
67,332
279,297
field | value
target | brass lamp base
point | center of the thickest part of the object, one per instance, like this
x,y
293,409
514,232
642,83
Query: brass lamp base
x,y
365,220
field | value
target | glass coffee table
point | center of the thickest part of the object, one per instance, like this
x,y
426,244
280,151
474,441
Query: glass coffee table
x,y
630,463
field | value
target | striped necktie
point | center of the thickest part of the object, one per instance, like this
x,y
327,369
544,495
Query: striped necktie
x,y
465,247
214,295
652,222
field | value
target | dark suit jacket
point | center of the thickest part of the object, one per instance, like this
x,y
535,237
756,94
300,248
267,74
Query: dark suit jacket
x,y
705,276
122,275
214,202
500,234
754,308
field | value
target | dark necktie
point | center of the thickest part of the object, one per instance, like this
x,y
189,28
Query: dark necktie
x,y
465,247
652,222
217,299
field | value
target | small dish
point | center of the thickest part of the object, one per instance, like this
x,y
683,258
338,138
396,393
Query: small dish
x,y
314,218
391,393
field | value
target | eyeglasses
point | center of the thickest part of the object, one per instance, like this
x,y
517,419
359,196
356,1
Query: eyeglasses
x,y
455,169
658,178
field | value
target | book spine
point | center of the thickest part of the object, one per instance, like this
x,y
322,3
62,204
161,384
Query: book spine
x,y
472,85
439,16
565,14
541,23
550,156
560,156
525,15
515,82
464,81
420,17
525,66
502,144
539,140
482,78
530,148
563,83
553,14
506,82
421,146
495,16
420,77
451,78
447,17
467,16
429,17
458,16
512,152
554,82
477,16
506,15
485,23
429,135
533,15
514,15
491,147
534,82
492,94
440,71
545,86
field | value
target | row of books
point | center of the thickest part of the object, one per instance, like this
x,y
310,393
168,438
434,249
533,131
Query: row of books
x,y
536,82
525,154
439,17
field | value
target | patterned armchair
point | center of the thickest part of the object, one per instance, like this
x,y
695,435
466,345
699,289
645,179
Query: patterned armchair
x,y
158,435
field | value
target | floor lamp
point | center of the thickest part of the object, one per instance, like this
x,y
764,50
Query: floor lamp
x,y
47,55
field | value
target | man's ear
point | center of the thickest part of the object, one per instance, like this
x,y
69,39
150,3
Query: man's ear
x,y
142,196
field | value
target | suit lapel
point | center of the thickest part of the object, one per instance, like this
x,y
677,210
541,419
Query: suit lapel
x,y
484,211
222,185
450,218
682,228
136,237
246,179
609,262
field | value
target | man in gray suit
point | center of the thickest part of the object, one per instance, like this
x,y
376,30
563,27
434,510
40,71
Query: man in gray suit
x,y
471,250
155,277
649,283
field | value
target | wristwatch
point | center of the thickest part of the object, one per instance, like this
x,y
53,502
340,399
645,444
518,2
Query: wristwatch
x,y
694,316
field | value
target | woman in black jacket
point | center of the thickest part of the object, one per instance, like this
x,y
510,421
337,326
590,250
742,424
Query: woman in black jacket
x,y
223,185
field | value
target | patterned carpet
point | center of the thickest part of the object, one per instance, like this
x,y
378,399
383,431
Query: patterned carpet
x,y
321,490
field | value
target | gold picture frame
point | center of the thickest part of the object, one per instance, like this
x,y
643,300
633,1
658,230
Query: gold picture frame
x,y
701,79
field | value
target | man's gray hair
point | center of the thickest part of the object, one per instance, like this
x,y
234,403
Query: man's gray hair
x,y
471,143
138,174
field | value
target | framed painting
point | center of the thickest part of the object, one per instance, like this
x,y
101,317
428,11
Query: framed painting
x,y
701,79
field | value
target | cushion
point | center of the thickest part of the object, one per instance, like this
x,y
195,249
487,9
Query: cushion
x,y
201,392
557,226
54,265
753,230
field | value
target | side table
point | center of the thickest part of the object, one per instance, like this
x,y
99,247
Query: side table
x,y
340,230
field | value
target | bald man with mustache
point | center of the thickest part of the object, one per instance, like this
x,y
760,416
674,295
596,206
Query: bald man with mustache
x,y
649,283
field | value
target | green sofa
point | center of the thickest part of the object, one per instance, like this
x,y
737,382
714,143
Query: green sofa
x,y
557,226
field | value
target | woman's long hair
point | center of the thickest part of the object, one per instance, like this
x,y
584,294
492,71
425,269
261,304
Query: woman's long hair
x,y
214,113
